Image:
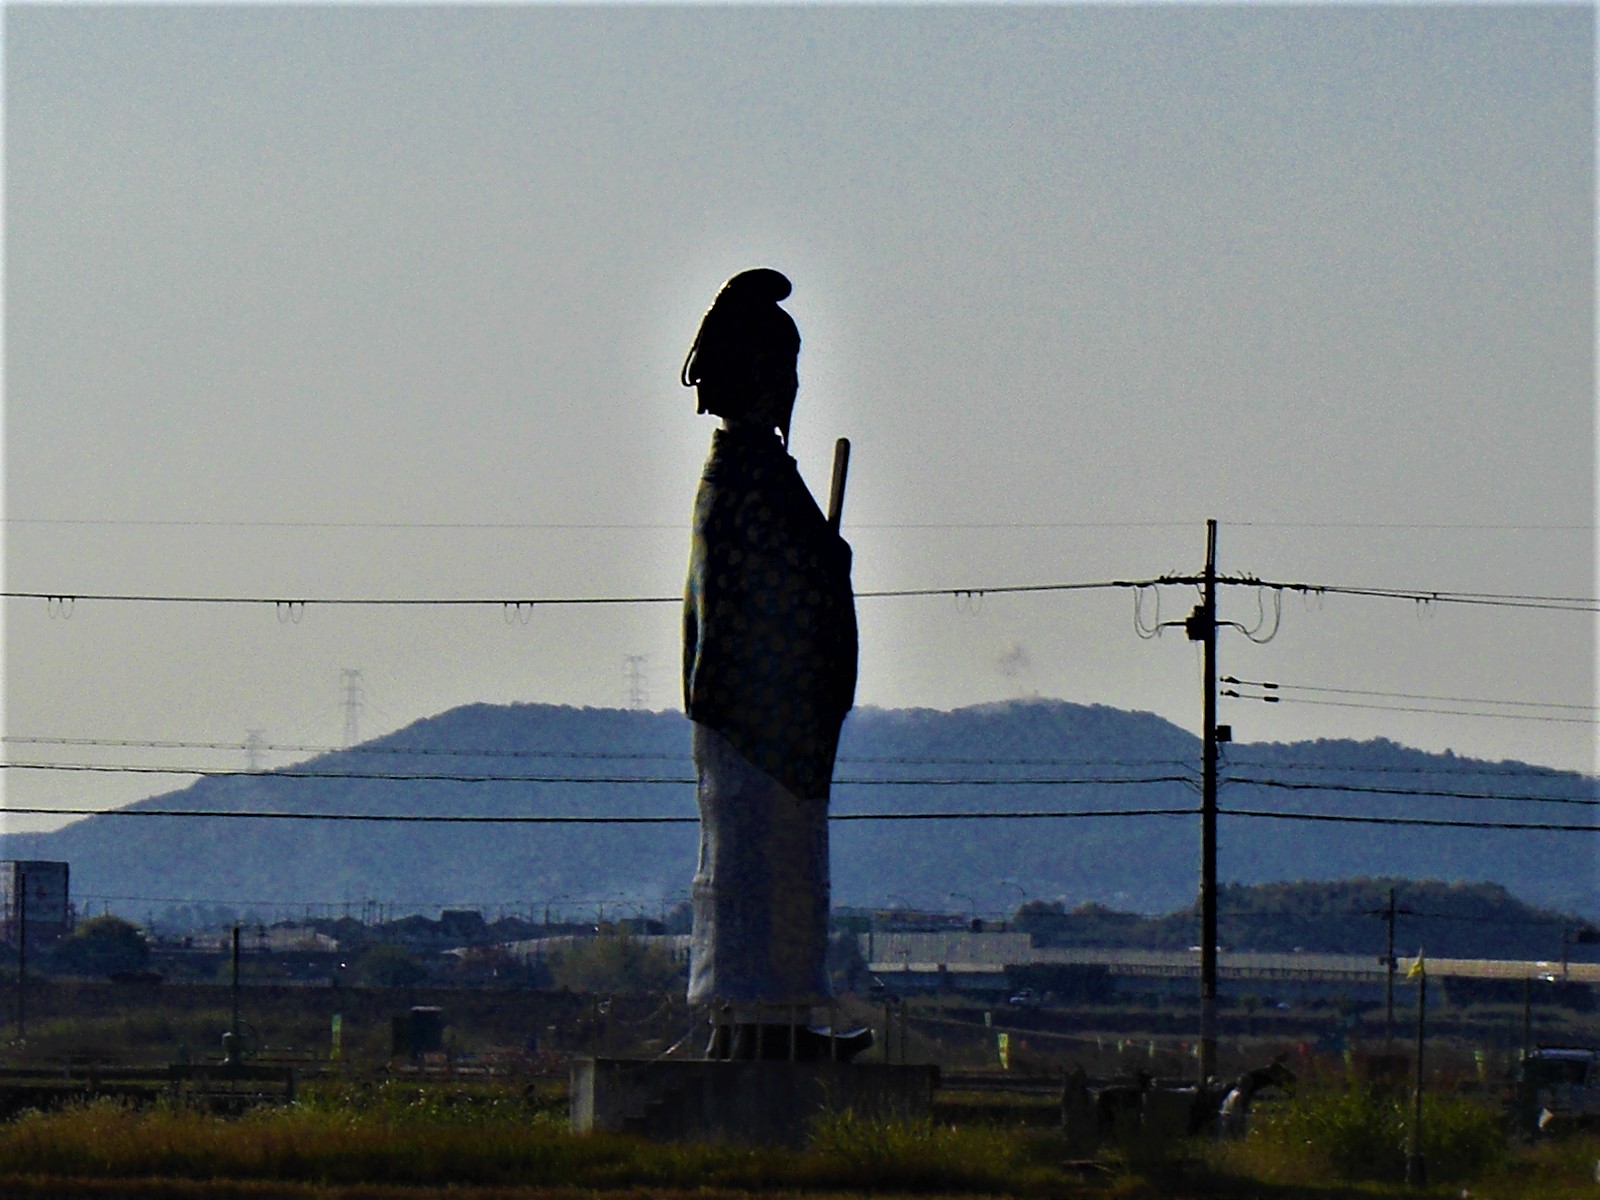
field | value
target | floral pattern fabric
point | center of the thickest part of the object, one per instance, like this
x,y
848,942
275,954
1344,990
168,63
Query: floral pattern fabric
x,y
770,643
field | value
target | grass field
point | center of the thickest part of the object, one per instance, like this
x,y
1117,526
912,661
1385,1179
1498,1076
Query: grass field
x,y
497,1130
480,1143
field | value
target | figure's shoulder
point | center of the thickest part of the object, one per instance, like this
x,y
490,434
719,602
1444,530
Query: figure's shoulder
x,y
743,459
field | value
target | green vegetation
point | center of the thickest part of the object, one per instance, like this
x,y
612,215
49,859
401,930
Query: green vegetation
x,y
103,945
1332,1145
387,966
405,1135
1467,920
1357,1135
614,962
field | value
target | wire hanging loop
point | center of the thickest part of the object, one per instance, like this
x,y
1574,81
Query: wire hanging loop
x,y
1153,630
60,608
1254,633
968,602
290,612
516,612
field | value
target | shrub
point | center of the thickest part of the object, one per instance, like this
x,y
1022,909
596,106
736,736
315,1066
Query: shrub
x,y
614,963
850,1151
102,945
1357,1135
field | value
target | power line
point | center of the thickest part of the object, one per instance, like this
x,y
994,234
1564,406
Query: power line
x,y
846,781
1425,822
1406,708
1521,770
1420,793
1433,525
644,819
290,607
427,777
1405,695
1306,687
676,526
584,819
1425,596
620,755
1509,770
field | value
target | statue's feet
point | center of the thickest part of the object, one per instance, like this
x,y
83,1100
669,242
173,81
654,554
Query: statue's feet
x,y
770,1042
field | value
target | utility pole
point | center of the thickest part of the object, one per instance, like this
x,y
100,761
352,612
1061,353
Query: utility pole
x,y
22,957
233,992
1416,1164
1389,913
1202,627
352,705
1388,976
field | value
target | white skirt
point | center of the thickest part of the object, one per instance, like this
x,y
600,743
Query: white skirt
x,y
760,893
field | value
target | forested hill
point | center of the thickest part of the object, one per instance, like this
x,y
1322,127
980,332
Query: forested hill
x,y
1448,920
1036,757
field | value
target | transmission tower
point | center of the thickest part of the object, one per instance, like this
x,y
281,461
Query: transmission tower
x,y
637,688
352,705
255,741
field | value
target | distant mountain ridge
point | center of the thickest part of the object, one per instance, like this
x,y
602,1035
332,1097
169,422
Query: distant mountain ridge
x,y
1032,756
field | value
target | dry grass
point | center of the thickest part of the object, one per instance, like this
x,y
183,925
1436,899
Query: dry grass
x,y
405,1142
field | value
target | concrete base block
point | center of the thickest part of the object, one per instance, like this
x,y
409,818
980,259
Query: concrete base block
x,y
765,1103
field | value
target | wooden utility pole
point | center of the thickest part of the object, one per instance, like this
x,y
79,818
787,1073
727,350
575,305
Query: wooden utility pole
x,y
1416,1163
1389,965
233,1055
22,956
1202,627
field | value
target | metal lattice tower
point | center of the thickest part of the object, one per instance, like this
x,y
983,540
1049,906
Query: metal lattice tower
x,y
637,690
352,705
255,742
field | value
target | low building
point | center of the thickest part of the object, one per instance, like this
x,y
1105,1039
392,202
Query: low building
x,y
34,902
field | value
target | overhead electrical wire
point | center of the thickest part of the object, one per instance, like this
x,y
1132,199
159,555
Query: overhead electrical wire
x,y
577,819
1415,793
679,780
1230,780
1411,708
1508,770
1307,687
1424,596
114,522
1235,758
582,755
668,819
63,599
1424,822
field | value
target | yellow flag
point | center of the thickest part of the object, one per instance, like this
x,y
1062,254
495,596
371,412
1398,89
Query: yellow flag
x,y
1417,968
1003,1041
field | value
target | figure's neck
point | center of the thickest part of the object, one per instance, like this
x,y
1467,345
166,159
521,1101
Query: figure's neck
x,y
748,427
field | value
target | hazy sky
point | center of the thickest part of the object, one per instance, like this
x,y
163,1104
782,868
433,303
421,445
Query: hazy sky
x,y
389,302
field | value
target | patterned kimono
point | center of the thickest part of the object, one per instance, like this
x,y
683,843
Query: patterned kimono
x,y
769,672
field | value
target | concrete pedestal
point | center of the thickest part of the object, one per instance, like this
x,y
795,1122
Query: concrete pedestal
x,y
767,1103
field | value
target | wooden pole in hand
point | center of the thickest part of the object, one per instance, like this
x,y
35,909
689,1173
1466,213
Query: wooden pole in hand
x,y
841,468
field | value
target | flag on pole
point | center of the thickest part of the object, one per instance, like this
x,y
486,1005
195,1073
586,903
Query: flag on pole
x,y
1417,967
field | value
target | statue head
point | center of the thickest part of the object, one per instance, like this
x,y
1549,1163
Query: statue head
x,y
742,364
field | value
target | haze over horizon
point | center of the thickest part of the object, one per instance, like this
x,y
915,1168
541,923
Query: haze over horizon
x,y
388,302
